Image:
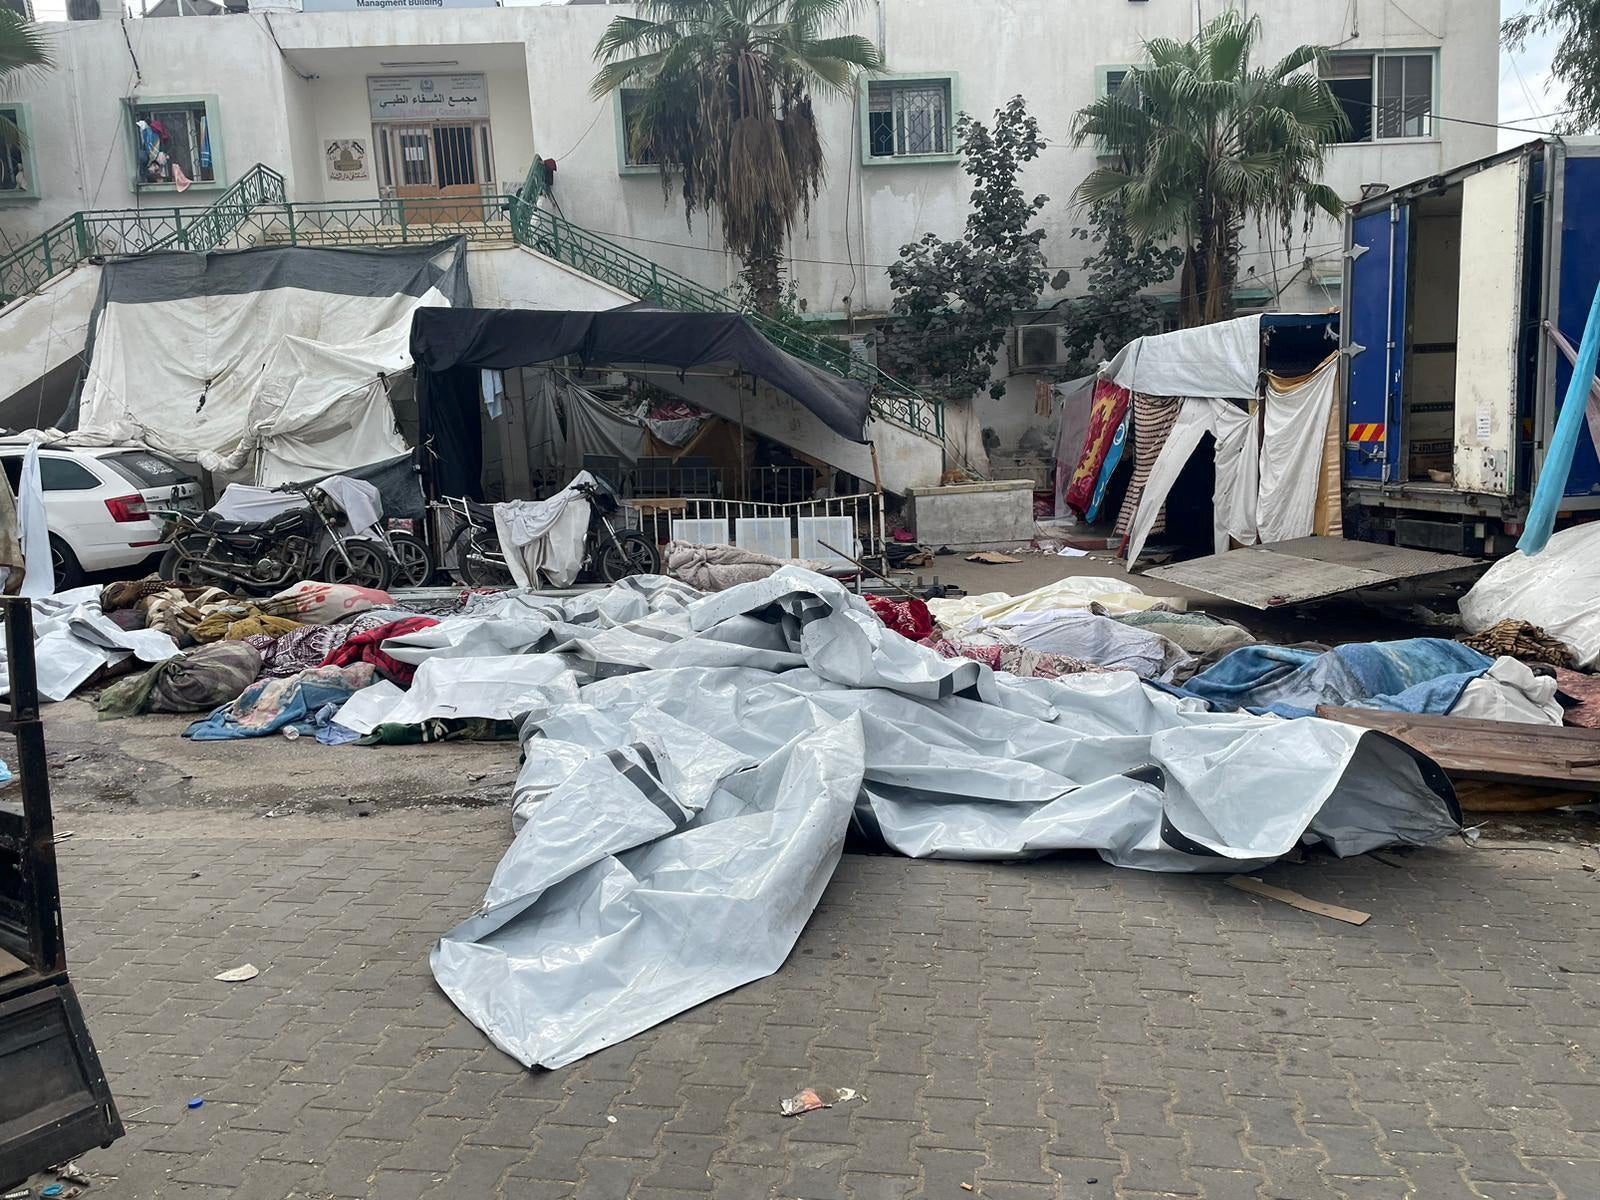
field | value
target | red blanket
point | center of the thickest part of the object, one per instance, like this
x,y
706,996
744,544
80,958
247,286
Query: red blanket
x,y
1105,415
908,618
364,647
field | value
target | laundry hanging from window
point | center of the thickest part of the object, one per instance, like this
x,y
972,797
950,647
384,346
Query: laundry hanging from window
x,y
173,144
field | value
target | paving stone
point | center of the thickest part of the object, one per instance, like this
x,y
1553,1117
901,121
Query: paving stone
x,y
1022,1027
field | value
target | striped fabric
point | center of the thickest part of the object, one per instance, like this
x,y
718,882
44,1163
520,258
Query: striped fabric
x,y
1153,418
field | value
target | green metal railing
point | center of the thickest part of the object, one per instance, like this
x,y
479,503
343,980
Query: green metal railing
x,y
255,211
109,232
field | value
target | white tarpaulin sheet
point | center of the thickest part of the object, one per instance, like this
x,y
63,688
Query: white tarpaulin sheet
x,y
72,639
677,821
1221,361
1557,590
265,364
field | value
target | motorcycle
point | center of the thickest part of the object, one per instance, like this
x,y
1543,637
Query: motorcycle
x,y
262,557
610,553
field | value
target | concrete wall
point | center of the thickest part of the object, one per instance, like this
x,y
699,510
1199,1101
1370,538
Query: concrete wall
x,y
974,516
517,277
538,63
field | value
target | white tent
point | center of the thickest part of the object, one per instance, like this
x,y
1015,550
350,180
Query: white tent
x,y
1267,432
264,365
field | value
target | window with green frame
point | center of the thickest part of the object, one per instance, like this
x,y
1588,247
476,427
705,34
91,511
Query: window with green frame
x,y
906,119
19,178
174,142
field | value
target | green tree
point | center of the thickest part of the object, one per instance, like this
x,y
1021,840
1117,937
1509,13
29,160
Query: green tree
x,y
1576,62
1205,142
726,110
1114,308
954,300
24,48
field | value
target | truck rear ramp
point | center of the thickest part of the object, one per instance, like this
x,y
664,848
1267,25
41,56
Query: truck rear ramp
x,y
1308,568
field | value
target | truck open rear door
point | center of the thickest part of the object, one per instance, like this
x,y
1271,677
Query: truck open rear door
x,y
1489,326
1374,338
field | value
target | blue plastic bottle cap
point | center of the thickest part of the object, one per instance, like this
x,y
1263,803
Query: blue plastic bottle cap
x,y
197,1102
53,1189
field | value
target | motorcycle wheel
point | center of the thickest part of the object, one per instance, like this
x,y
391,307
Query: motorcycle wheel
x,y
413,561
177,569
478,569
630,554
369,566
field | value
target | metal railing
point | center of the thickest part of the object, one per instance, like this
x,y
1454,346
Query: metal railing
x,y
106,233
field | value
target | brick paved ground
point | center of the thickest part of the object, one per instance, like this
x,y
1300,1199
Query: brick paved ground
x,y
1053,1029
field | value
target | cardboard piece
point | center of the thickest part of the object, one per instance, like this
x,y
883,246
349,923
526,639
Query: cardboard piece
x,y
1248,883
991,556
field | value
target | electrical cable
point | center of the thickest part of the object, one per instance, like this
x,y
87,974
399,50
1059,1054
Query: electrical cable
x,y
266,19
599,112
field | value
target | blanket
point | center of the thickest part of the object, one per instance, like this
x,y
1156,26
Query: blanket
x,y
269,705
194,681
1416,675
367,646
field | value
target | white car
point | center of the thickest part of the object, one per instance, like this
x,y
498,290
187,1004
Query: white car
x,y
99,503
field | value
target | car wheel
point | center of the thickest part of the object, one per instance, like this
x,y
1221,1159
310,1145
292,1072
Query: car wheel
x,y
68,574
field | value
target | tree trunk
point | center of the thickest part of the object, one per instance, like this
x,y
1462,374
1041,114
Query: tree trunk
x,y
1189,290
763,278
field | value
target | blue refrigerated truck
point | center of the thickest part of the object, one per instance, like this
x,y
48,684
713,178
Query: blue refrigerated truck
x,y
1459,291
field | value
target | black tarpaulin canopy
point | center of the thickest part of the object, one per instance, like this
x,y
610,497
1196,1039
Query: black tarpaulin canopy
x,y
450,346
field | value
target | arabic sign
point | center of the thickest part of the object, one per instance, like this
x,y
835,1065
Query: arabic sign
x,y
426,97
346,157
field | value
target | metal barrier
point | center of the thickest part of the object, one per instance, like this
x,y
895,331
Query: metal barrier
x,y
865,510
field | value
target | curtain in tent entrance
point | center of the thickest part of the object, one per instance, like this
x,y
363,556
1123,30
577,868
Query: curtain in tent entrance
x,y
1153,419
1295,422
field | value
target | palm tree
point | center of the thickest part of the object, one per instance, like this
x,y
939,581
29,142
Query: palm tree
x,y
24,48
726,108
1206,142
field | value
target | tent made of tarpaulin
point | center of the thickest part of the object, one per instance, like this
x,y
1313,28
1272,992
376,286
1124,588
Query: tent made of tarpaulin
x,y
1267,437
265,365
452,347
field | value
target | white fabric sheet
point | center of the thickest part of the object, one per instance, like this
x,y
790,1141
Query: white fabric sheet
x,y
1237,454
360,500
1291,454
39,573
72,639
1510,691
1221,361
544,537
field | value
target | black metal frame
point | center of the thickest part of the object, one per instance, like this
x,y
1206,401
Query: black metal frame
x,y
56,1102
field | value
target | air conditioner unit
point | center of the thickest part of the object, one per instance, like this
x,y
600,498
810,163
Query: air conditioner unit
x,y
1036,347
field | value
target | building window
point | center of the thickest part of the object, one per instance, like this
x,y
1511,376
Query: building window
x,y
1112,79
909,118
1384,96
174,142
634,152
18,178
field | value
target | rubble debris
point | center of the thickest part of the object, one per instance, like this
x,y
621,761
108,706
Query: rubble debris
x,y
812,1099
1247,883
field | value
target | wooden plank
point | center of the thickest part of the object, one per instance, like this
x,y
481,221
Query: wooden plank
x,y
10,964
1495,751
1248,883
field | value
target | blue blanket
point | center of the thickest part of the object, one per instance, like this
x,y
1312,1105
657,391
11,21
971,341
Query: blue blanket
x,y
1416,675
270,705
